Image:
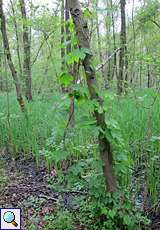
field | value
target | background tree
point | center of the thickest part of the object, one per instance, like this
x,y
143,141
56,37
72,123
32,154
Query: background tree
x,y
14,16
123,62
1,78
27,52
100,44
62,36
9,58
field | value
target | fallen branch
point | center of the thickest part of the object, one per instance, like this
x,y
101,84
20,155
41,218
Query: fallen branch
x,y
106,61
48,198
83,193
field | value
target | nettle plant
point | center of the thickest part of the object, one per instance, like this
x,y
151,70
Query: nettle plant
x,y
111,211
55,151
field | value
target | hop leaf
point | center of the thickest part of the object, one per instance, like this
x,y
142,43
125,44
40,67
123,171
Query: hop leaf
x,y
66,79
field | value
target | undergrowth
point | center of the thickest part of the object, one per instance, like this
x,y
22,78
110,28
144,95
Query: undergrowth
x,y
133,130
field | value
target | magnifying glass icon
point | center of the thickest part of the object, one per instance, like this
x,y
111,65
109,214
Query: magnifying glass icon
x,y
9,218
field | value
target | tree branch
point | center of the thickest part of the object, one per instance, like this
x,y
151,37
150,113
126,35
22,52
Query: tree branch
x,y
41,45
106,61
155,23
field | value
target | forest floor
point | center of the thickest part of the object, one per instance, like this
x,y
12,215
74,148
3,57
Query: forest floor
x,y
26,186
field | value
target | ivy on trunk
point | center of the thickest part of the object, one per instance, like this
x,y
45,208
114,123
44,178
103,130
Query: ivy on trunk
x,y
84,43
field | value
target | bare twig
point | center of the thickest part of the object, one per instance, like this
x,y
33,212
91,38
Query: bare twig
x,y
68,123
41,45
99,67
156,23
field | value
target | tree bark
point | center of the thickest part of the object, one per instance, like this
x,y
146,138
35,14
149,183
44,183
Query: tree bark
x,y
148,76
62,37
27,52
68,50
123,62
68,36
104,145
9,58
17,38
134,44
114,42
108,46
100,46
1,78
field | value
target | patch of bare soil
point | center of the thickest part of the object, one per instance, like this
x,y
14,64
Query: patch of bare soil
x,y
27,188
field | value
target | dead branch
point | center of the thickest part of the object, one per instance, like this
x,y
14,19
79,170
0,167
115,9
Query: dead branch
x,y
99,67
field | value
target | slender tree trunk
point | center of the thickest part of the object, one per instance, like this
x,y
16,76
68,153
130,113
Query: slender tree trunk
x,y
100,44
62,37
68,36
68,50
1,78
108,46
114,42
134,45
149,76
62,42
104,144
17,38
123,63
27,52
140,75
30,27
9,58
46,68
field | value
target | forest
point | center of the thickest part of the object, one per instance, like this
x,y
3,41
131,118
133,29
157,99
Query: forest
x,y
80,114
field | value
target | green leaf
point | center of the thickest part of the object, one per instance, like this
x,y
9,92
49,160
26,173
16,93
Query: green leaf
x,y
66,79
104,211
112,213
100,110
108,135
76,55
71,26
127,220
109,96
86,50
87,13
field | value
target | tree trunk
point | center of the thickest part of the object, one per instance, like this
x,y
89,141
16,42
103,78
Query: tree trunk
x,y
68,50
17,38
100,46
62,37
9,58
114,42
140,74
1,78
123,62
68,36
148,76
27,52
108,46
134,45
104,145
